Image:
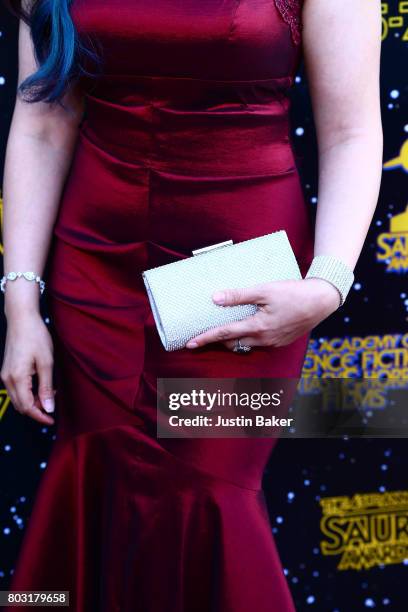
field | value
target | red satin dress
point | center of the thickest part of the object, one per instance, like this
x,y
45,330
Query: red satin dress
x,y
185,143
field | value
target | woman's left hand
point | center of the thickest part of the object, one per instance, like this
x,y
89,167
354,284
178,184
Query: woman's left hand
x,y
287,310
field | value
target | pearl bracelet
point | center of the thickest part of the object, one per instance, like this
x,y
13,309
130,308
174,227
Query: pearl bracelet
x,y
31,276
333,270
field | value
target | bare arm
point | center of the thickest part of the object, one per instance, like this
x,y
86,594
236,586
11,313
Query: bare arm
x,y
342,44
38,155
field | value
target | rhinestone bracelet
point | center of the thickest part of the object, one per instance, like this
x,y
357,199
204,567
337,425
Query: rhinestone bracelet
x,y
333,270
31,276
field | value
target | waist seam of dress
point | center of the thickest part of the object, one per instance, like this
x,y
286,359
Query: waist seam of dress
x,y
148,164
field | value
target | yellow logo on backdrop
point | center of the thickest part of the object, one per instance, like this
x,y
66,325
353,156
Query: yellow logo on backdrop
x,y
392,22
367,530
393,245
401,161
373,366
4,402
371,356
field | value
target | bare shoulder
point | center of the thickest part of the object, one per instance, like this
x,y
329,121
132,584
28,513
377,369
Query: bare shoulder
x,y
335,33
70,112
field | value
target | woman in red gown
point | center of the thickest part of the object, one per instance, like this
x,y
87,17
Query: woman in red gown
x,y
184,143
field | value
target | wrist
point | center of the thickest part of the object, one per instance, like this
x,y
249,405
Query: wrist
x,y
334,271
21,298
326,293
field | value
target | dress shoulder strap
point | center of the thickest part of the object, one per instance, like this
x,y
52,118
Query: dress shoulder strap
x,y
291,13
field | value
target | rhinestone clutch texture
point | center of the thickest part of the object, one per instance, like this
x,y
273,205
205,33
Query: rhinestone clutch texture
x,y
180,292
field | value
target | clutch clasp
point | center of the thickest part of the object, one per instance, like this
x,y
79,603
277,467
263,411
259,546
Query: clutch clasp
x,y
212,247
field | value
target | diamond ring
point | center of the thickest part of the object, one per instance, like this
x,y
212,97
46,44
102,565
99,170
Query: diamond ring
x,y
241,348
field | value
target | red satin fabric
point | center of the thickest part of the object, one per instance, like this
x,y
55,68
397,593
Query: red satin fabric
x,y
185,143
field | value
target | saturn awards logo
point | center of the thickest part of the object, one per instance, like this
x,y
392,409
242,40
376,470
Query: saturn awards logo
x,y
366,530
393,245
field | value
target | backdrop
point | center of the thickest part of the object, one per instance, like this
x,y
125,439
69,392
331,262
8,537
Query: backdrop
x,y
338,507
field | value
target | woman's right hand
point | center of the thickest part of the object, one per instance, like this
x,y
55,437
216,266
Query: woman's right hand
x,y
29,351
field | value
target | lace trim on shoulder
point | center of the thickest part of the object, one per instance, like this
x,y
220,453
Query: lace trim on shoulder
x,y
290,11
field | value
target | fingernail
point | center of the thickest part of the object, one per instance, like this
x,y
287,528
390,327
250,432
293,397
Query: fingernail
x,y
48,405
191,344
219,297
